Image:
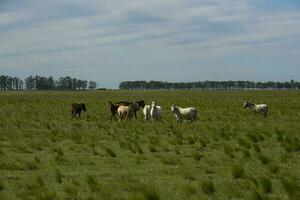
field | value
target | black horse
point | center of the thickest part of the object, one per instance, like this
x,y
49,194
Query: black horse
x,y
113,109
77,109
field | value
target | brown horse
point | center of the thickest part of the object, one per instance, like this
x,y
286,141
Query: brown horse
x,y
113,109
126,112
77,109
140,104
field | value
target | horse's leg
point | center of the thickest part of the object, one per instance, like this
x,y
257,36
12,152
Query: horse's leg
x,y
192,119
135,114
126,117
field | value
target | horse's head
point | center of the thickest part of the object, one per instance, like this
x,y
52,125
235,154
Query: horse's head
x,y
246,104
173,108
141,103
83,107
153,104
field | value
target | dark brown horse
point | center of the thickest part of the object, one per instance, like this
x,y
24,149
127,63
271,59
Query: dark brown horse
x,y
77,109
113,109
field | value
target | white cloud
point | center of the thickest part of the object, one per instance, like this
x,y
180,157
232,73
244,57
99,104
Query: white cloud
x,y
7,18
140,34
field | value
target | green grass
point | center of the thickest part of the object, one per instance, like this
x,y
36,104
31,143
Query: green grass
x,y
266,184
229,153
238,171
208,187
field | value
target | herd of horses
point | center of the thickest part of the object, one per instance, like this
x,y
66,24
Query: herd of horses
x,y
124,110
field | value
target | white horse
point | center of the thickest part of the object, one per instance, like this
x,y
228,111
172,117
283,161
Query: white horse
x,y
146,111
257,108
155,111
184,113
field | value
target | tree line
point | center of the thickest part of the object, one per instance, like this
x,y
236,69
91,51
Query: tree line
x,y
45,83
208,85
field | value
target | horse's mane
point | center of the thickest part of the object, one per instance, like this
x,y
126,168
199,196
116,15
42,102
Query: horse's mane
x,y
251,104
176,108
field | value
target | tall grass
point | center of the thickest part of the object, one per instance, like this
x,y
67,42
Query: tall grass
x,y
228,153
238,171
208,187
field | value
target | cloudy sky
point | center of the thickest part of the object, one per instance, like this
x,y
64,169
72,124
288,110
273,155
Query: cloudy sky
x,y
172,40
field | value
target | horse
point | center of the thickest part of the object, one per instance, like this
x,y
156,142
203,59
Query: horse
x,y
155,111
77,109
146,112
184,113
257,108
113,109
126,112
141,104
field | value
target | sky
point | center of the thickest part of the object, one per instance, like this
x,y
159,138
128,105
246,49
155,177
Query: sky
x,y
110,41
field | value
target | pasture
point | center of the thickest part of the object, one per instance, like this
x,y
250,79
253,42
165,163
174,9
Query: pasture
x,y
228,153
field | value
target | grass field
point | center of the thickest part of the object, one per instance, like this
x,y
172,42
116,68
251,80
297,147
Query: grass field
x,y
227,154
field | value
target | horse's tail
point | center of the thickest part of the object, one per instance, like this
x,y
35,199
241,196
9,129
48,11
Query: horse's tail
x,y
195,115
266,111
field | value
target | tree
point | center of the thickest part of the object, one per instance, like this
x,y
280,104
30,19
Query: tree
x,y
92,85
30,83
207,85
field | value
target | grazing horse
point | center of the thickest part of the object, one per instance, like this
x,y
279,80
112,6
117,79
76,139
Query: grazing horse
x,y
126,112
141,104
77,109
184,113
155,111
146,112
257,108
113,109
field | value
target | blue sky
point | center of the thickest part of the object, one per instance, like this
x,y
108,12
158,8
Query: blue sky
x,y
170,40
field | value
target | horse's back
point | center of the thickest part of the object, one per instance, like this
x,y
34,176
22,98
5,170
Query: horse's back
x,y
188,110
74,105
146,109
262,107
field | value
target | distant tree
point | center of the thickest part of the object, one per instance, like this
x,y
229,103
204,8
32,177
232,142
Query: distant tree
x,y
92,85
48,83
292,84
3,82
207,85
84,84
30,83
